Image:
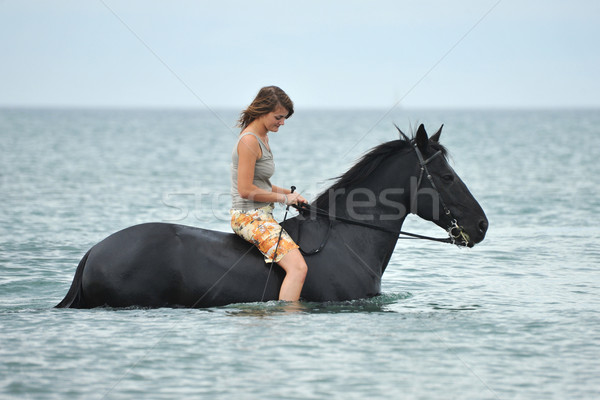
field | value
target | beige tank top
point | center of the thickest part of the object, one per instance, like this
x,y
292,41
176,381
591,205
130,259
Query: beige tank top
x,y
263,171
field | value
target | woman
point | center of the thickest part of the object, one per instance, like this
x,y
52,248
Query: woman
x,y
253,194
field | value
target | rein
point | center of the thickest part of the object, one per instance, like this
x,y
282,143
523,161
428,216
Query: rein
x,y
306,208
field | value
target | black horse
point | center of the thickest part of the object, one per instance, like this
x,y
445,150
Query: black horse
x,y
348,235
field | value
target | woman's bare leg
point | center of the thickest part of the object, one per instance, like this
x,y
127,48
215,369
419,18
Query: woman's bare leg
x,y
295,272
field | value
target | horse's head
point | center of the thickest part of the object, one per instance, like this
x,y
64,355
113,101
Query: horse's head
x,y
439,195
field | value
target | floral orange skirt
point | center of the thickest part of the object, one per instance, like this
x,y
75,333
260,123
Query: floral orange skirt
x,y
260,228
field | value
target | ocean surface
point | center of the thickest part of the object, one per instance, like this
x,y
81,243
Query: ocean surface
x,y
516,317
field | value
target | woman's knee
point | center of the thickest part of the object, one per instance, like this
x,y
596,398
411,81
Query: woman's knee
x,y
298,268
301,268
294,264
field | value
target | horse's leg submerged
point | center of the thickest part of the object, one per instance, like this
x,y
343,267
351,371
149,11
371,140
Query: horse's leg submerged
x,y
73,298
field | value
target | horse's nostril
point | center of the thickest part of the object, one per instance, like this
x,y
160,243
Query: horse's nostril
x,y
483,225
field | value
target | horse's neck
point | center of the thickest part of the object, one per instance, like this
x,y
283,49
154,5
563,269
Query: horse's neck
x,y
382,199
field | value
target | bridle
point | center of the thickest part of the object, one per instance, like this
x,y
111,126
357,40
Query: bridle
x,y
456,234
454,230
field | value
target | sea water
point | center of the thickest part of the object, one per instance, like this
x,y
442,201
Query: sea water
x,y
516,317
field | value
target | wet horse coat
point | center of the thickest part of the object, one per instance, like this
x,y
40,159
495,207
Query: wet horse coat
x,y
169,265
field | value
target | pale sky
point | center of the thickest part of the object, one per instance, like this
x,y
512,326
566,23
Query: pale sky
x,y
324,54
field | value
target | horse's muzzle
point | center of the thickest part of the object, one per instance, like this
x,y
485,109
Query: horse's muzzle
x,y
459,236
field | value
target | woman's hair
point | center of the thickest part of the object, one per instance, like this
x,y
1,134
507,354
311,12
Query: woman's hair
x,y
267,100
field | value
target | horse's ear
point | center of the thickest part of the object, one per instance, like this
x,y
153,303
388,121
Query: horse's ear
x,y
421,138
436,137
402,134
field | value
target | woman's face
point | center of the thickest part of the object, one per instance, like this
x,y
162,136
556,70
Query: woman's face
x,y
274,119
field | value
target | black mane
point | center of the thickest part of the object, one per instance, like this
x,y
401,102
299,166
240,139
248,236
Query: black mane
x,y
369,163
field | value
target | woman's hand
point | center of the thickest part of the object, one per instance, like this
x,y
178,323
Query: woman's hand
x,y
294,198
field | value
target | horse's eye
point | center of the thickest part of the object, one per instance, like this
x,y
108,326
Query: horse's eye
x,y
449,178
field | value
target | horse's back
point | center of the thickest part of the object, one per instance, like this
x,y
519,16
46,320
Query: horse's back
x,y
159,264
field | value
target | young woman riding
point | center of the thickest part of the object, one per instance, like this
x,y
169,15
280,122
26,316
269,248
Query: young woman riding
x,y
253,194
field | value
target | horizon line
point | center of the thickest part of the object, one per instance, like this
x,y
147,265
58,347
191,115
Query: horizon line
x,y
296,108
